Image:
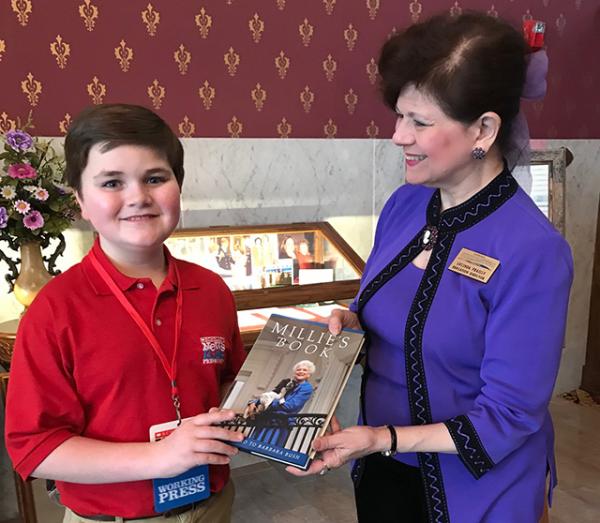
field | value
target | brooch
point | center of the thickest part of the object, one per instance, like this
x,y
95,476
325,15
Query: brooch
x,y
429,237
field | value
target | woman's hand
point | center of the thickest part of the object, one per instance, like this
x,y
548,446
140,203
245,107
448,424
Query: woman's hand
x,y
343,319
197,442
342,446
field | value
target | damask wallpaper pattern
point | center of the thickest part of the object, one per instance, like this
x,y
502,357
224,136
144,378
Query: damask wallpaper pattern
x,y
259,68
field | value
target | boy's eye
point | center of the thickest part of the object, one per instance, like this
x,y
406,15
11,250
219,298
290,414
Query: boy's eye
x,y
111,184
154,180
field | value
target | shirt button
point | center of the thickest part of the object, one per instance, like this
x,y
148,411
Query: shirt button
x,y
140,285
158,322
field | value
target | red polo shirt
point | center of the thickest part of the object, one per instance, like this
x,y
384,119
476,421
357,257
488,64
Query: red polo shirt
x,y
83,367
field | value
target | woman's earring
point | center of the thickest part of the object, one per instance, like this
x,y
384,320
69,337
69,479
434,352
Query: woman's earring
x,y
478,153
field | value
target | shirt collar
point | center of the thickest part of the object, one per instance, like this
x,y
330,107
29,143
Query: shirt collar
x,y
476,208
187,279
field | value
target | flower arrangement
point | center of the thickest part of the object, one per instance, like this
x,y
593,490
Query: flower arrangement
x,y
35,205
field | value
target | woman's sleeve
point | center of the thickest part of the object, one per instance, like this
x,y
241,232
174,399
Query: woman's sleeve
x,y
296,401
523,343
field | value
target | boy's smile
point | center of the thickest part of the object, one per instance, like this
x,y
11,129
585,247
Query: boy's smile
x,y
131,197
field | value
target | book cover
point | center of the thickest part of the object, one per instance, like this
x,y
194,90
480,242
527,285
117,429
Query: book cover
x,y
287,390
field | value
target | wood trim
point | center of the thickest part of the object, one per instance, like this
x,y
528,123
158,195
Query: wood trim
x,y
24,491
590,378
557,160
295,294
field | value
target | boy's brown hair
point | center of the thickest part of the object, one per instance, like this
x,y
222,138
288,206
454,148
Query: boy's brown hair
x,y
112,125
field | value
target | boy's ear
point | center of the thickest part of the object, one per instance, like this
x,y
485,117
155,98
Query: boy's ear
x,y
79,199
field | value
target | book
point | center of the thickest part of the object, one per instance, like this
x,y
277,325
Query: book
x,y
289,386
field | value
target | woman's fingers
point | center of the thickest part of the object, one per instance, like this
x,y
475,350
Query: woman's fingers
x,y
335,322
335,425
316,467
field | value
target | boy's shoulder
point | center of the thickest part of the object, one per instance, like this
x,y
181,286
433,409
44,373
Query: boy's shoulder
x,y
194,275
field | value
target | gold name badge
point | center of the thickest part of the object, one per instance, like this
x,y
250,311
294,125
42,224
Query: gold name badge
x,y
474,265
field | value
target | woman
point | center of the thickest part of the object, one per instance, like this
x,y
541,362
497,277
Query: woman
x,y
464,344
294,392
287,250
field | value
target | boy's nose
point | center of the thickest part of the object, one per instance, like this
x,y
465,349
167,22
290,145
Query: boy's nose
x,y
139,194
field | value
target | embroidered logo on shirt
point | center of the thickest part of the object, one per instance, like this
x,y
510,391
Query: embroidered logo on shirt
x,y
213,349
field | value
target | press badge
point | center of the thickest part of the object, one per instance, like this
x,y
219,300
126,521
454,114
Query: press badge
x,y
189,487
474,265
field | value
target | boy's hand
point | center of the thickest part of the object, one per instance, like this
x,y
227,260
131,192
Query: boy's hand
x,y
197,442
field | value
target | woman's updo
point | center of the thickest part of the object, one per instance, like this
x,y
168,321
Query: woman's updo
x,y
469,64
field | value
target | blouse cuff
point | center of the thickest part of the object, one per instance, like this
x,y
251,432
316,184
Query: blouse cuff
x,y
470,449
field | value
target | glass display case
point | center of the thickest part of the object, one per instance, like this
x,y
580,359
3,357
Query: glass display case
x,y
302,270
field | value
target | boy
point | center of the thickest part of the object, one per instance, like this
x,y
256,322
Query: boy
x,y
126,340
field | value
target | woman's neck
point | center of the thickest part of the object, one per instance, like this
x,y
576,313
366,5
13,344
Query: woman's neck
x,y
470,184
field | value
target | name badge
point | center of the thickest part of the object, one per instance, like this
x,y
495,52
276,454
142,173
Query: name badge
x,y
474,265
186,488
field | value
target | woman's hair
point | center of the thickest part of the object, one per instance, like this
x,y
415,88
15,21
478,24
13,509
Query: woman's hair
x,y
113,125
306,363
469,64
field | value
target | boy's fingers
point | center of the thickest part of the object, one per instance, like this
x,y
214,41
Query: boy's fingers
x,y
213,459
213,417
217,433
208,446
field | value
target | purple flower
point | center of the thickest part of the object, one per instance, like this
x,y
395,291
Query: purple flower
x,y
34,220
3,218
19,140
21,171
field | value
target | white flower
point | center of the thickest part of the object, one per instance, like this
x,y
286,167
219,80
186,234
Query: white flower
x,y
21,206
31,188
8,192
41,194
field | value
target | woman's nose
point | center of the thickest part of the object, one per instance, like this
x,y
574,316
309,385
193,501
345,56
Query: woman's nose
x,y
403,134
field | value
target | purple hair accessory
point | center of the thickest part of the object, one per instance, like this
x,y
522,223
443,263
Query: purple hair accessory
x,y
534,89
535,76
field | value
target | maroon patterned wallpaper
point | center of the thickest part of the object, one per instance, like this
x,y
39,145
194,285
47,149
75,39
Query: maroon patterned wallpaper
x,y
259,68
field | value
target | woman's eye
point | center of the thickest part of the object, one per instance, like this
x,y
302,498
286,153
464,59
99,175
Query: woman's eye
x,y
420,124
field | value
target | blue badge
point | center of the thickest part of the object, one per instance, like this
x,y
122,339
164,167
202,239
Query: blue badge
x,y
189,487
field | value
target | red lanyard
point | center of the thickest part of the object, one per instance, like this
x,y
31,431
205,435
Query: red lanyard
x,y
170,369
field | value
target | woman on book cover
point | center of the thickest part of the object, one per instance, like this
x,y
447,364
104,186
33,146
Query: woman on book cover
x,y
291,396
464,296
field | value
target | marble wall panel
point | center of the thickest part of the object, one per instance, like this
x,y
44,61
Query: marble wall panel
x,y
346,182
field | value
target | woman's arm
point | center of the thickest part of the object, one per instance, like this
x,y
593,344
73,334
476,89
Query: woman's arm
x,y
355,442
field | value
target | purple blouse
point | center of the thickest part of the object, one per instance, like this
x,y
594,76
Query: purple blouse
x,y
480,357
